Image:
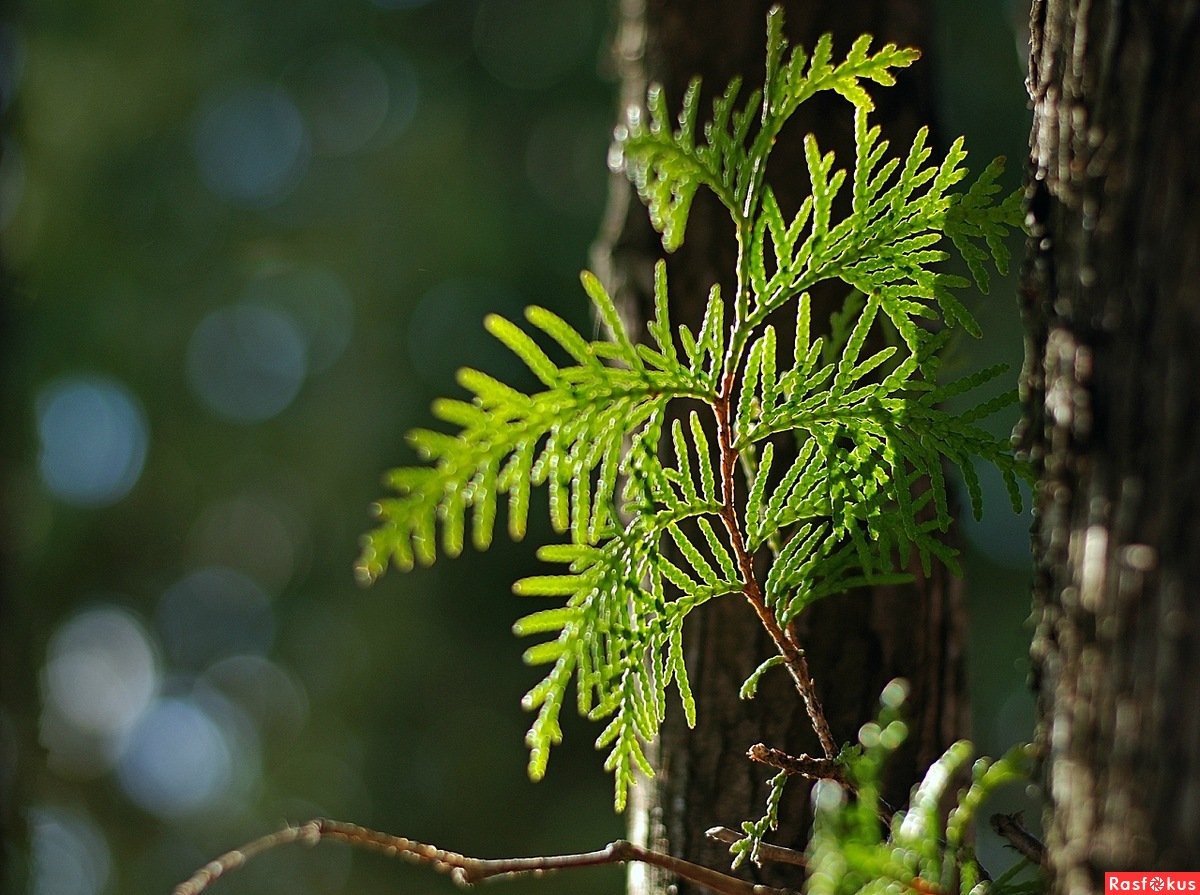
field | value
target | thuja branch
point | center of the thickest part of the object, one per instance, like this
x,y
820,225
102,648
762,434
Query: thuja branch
x,y
802,765
1029,846
462,869
626,479
784,641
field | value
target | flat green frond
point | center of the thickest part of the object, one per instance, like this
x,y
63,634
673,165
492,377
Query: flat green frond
x,y
612,318
668,164
841,439
954,312
564,334
867,445
716,546
547,699
620,625
1015,766
891,243
976,216
756,502
704,455
705,352
659,326
795,83
847,365
712,330
569,436
826,183
520,344
869,149
748,402
625,735
678,670
693,557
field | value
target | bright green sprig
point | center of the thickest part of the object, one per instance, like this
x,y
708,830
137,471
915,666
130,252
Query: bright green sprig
x,y
668,164
620,635
747,848
508,442
653,526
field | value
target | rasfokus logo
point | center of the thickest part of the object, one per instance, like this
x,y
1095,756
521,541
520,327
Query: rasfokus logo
x,y
1150,882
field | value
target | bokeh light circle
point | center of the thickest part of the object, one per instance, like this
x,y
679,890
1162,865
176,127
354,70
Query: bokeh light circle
x,y
251,144
316,300
93,437
348,96
252,533
101,671
69,853
177,761
213,613
247,362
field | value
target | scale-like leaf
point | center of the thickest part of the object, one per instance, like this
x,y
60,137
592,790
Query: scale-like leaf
x,y
841,446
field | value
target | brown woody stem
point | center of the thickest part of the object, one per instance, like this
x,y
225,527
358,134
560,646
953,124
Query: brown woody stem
x,y
1009,827
785,641
465,871
801,765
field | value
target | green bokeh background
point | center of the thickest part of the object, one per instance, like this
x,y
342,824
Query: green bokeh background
x,y
428,162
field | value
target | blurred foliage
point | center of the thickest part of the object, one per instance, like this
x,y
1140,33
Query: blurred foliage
x,y
247,245
371,179
861,846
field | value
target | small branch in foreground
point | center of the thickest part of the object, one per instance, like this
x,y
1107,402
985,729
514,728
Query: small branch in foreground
x,y
1008,826
802,765
466,871
775,854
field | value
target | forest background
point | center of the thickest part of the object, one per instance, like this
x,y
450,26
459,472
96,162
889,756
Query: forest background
x,y
245,245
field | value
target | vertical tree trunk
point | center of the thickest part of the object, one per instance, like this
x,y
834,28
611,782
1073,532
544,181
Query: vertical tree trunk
x,y
1112,390
857,645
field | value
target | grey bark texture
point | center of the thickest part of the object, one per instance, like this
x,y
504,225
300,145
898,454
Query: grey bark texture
x,y
1112,398
854,644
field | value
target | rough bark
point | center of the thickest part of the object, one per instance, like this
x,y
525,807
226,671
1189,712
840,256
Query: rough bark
x,y
1112,395
855,644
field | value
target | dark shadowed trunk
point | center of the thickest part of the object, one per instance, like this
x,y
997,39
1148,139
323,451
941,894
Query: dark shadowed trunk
x,y
14,679
856,646
1112,382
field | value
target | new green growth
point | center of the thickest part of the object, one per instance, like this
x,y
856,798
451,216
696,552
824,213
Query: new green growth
x,y
823,453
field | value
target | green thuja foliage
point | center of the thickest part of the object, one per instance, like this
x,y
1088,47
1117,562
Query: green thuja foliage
x,y
662,512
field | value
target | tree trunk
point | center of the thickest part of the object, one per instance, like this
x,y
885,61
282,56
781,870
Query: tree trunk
x,y
1112,393
854,644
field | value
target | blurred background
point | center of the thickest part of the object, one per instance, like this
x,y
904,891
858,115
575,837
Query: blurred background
x,y
245,244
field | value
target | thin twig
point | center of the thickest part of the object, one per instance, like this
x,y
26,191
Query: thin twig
x,y
1009,827
463,870
803,765
775,854
785,641
812,700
